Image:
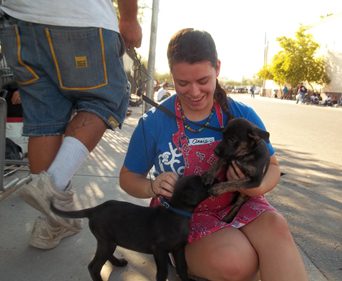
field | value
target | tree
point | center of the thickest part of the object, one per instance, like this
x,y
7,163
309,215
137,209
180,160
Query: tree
x,y
296,62
265,73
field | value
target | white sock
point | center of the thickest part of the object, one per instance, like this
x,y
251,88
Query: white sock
x,y
69,159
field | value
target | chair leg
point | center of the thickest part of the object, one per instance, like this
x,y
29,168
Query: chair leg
x,y
3,115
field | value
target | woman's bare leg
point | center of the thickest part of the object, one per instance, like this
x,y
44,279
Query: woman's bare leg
x,y
279,258
224,255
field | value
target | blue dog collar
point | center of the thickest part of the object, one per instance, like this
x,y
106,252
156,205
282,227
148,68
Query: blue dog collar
x,y
167,205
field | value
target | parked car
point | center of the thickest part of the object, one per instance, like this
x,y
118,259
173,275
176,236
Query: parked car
x,y
241,89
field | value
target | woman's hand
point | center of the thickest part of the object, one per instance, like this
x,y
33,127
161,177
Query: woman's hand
x,y
234,173
269,181
139,186
164,184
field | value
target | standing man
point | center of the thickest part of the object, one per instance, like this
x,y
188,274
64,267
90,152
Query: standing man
x,y
252,91
285,92
67,59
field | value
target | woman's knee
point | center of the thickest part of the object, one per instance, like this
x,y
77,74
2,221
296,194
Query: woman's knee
x,y
225,255
231,266
276,225
271,228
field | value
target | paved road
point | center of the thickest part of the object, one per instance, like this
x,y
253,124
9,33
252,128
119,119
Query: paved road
x,y
315,130
308,144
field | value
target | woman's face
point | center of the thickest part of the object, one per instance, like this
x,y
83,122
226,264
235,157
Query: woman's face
x,y
195,86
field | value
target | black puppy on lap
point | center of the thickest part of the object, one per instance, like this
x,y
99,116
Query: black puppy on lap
x,y
244,143
158,231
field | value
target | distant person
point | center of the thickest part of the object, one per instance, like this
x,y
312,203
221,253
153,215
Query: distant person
x,y
252,91
301,92
14,147
314,99
73,88
285,91
328,101
11,94
162,92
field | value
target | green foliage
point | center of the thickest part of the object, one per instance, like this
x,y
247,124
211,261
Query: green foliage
x,y
265,73
164,77
296,62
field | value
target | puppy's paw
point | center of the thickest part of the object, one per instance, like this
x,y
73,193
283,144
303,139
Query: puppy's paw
x,y
208,179
216,190
222,187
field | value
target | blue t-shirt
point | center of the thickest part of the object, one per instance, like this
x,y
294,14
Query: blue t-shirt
x,y
151,143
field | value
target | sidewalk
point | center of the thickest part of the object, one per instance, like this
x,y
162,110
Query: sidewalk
x,y
96,182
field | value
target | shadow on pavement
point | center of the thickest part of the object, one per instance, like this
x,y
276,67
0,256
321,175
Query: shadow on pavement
x,y
310,197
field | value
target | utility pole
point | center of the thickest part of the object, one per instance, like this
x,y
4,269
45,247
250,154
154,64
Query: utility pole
x,y
263,93
152,52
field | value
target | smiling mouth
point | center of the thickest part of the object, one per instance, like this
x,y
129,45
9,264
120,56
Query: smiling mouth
x,y
197,100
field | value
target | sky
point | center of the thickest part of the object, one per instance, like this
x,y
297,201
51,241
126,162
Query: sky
x,y
238,27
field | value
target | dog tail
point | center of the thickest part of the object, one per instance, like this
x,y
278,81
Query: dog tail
x,y
85,213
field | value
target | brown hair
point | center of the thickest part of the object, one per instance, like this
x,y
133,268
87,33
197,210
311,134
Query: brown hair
x,y
191,46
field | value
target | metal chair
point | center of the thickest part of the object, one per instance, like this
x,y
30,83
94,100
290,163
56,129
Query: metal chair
x,y
13,173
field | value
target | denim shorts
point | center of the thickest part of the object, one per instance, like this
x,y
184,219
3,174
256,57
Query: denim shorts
x,y
62,70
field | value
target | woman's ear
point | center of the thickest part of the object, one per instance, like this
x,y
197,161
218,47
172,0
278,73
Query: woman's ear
x,y
218,67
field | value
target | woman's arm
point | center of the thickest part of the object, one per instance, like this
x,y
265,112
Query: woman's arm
x,y
269,181
139,186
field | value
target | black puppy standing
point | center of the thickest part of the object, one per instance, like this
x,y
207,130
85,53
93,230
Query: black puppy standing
x,y
156,231
244,143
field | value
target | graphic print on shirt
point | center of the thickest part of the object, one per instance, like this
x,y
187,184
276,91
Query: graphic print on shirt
x,y
171,160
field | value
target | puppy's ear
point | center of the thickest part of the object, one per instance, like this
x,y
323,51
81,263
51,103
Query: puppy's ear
x,y
259,133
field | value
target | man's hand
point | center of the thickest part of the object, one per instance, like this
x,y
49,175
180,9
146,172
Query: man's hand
x,y
129,26
131,33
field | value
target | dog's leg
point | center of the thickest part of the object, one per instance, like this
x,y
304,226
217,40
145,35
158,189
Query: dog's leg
x,y
229,186
235,208
209,176
181,266
115,261
161,259
103,251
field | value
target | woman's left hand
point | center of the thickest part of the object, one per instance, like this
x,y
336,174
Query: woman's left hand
x,y
234,172
269,181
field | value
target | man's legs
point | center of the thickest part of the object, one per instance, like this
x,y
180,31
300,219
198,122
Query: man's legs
x,y
61,159
42,151
57,150
86,127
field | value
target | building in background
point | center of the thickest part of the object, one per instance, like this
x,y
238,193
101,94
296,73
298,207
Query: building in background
x,y
325,33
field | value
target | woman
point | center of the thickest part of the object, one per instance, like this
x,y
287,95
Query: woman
x,y
258,238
